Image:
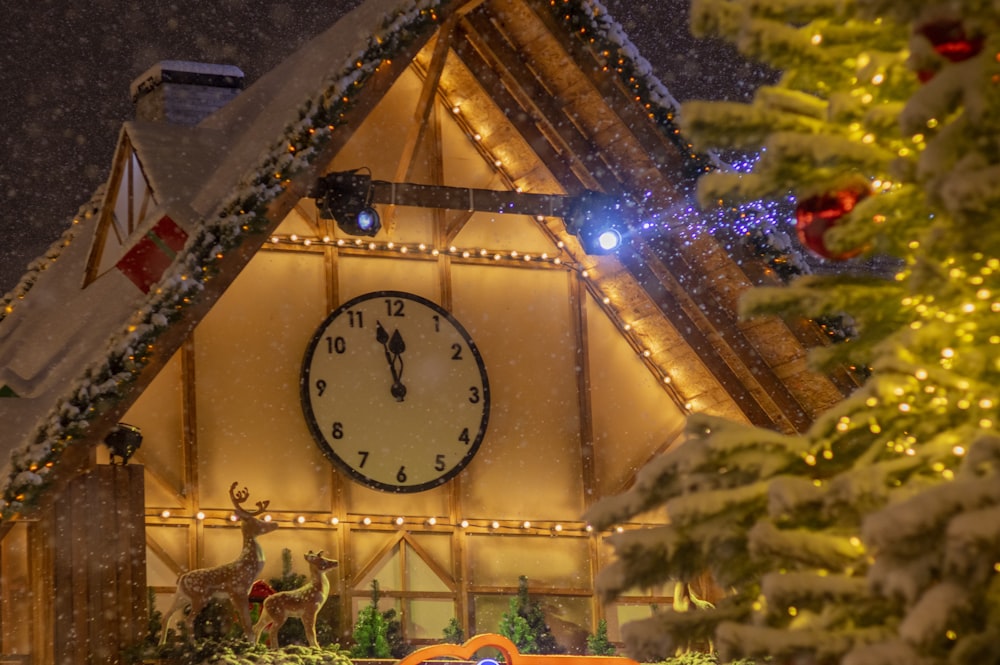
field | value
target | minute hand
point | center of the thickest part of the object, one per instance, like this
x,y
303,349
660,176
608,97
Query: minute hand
x,y
393,347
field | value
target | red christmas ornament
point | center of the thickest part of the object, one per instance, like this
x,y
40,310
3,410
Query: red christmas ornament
x,y
950,41
817,214
259,591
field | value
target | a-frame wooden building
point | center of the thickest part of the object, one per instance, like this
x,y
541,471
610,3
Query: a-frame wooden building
x,y
187,292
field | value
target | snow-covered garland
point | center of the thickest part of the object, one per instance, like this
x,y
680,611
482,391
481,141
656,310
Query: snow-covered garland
x,y
243,214
593,22
39,265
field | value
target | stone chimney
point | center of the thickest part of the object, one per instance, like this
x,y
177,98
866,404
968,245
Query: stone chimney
x,y
184,93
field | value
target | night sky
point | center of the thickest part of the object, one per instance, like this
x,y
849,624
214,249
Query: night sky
x,y
66,69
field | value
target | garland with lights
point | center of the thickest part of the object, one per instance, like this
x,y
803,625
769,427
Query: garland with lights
x,y
593,24
52,253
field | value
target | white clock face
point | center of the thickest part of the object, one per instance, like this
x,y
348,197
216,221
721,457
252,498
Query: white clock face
x,y
395,391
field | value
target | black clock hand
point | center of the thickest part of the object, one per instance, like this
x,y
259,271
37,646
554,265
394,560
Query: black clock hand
x,y
394,347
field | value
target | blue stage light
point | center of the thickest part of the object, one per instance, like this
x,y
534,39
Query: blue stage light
x,y
609,240
597,220
346,197
368,221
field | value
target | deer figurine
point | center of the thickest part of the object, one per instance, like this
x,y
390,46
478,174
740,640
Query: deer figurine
x,y
233,579
304,602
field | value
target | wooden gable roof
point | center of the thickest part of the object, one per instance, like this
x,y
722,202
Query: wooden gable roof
x,y
569,105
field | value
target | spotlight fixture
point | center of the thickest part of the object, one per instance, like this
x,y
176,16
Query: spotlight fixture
x,y
122,442
346,197
596,219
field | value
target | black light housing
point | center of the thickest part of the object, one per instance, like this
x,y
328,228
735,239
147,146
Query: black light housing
x,y
122,442
346,197
596,219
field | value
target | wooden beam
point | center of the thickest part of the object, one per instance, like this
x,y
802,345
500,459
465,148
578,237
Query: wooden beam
x,y
519,113
160,551
428,95
668,156
659,252
107,210
518,77
374,560
446,577
588,464
637,263
468,198
807,332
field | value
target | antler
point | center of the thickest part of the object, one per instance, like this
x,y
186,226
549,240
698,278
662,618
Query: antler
x,y
239,498
233,579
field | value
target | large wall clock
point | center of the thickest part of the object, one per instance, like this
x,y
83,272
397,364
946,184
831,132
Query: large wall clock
x,y
395,391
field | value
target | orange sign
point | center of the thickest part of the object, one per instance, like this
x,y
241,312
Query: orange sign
x,y
509,652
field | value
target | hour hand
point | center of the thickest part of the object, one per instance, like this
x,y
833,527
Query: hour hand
x,y
393,346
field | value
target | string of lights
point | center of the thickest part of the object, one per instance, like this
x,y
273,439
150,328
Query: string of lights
x,y
389,522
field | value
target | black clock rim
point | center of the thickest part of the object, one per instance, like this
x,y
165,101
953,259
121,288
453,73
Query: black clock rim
x,y
320,439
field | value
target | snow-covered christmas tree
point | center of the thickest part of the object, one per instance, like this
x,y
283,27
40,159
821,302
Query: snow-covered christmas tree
x,y
875,536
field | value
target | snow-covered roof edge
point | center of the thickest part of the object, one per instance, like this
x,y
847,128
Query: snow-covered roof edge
x,y
242,212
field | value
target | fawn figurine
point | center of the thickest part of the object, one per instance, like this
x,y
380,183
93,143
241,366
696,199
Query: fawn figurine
x,y
304,602
232,580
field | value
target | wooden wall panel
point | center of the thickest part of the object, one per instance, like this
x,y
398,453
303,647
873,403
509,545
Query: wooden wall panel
x,y
19,614
94,571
